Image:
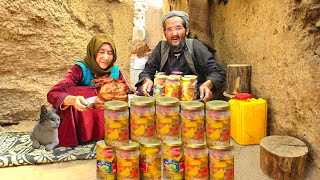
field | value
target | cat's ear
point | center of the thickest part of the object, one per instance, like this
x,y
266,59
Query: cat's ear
x,y
54,110
44,110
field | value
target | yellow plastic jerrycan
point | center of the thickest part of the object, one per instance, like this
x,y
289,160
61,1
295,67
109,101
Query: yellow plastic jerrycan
x,y
248,119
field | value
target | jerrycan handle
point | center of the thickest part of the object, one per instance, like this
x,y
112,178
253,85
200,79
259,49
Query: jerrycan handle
x,y
242,96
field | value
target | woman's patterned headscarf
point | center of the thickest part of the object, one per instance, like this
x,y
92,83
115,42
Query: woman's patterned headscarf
x,y
92,50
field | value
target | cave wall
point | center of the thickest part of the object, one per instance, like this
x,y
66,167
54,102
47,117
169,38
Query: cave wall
x,y
41,40
281,40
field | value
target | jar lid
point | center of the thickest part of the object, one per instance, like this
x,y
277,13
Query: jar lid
x,y
151,144
174,77
102,144
116,105
131,146
161,76
142,101
161,73
242,96
167,101
218,147
196,146
217,105
186,77
172,143
192,105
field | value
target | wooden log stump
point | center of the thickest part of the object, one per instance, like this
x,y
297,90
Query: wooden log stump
x,y
283,157
238,78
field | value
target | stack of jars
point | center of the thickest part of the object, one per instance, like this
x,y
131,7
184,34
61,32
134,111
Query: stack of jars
x,y
218,140
187,152
175,85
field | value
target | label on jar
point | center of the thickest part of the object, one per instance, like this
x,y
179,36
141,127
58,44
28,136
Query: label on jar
x,y
172,166
106,167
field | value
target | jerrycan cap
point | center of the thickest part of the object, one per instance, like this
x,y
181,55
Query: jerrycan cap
x,y
242,96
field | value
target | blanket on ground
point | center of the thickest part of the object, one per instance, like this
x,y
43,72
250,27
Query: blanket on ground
x,y
16,149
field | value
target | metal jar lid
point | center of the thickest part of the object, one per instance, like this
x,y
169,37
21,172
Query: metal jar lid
x,y
132,146
142,101
102,144
167,101
116,105
192,105
151,144
172,143
189,78
217,105
174,77
161,76
221,147
196,146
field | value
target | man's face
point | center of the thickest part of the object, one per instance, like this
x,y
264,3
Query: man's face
x,y
175,32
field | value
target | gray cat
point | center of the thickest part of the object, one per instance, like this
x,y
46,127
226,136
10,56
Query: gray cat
x,y
45,132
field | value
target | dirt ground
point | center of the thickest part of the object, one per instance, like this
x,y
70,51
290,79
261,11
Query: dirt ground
x,y
246,164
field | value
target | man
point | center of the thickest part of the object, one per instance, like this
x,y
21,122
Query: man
x,y
179,53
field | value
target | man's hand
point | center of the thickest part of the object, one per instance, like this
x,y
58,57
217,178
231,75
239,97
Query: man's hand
x,y
205,91
146,87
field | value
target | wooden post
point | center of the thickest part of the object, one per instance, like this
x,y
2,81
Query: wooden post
x,y
238,78
283,157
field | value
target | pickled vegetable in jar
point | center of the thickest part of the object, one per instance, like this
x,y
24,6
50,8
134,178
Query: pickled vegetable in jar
x,y
142,114
167,118
106,162
150,160
172,86
128,162
159,85
116,123
196,161
218,123
221,162
192,122
173,160
188,88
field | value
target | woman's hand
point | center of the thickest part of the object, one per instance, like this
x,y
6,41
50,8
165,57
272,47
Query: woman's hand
x,y
78,102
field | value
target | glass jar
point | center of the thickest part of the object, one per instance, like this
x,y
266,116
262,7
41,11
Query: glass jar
x,y
173,160
142,114
188,88
167,118
106,162
221,162
172,86
159,85
116,123
150,160
192,122
218,123
196,161
128,162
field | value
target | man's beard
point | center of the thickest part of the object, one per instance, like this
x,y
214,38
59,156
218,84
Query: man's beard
x,y
179,47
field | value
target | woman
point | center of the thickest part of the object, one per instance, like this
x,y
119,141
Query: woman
x,y
78,123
